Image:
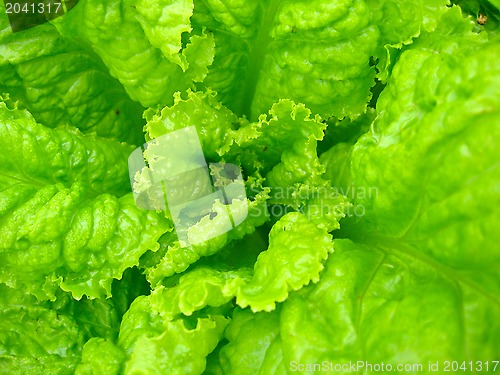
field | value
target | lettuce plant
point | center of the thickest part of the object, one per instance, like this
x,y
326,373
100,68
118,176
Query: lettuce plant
x,y
365,131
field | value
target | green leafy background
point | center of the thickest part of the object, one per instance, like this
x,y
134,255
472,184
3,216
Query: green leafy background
x,y
366,133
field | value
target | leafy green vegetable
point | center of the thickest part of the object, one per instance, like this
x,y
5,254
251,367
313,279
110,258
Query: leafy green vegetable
x,y
129,46
45,337
100,357
64,83
365,133
58,226
38,341
288,264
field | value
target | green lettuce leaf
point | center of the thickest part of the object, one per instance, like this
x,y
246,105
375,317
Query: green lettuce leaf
x,y
430,225
192,313
373,304
100,356
160,355
177,258
217,128
61,82
57,230
47,338
313,53
426,107
259,147
290,262
258,331
214,123
37,155
485,13
140,43
361,126
415,280
57,237
399,22
317,53
34,338
94,317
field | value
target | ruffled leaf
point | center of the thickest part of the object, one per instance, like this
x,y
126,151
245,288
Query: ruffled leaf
x,y
62,83
35,338
57,231
297,249
37,155
100,356
192,313
148,61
